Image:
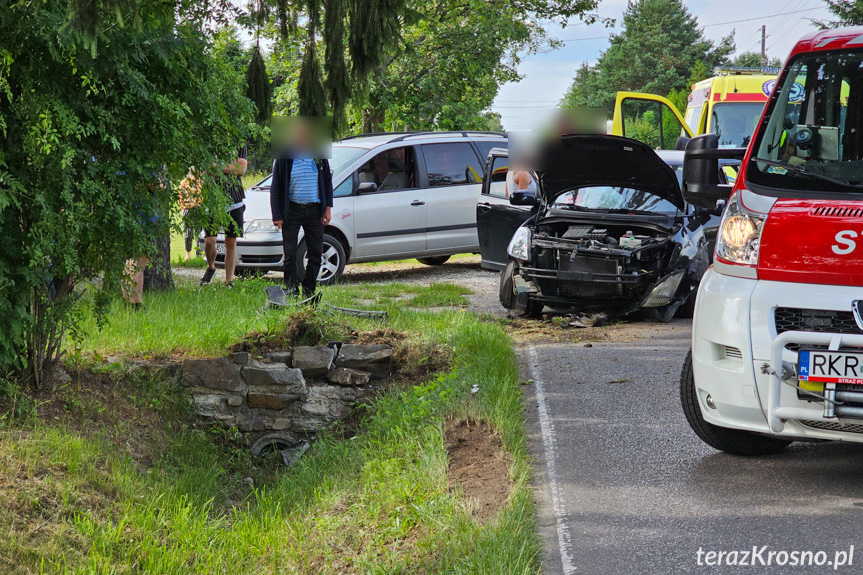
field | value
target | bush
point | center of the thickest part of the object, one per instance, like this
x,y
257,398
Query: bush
x,y
94,134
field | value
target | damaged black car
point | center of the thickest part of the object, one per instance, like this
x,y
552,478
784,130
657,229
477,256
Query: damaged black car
x,y
607,230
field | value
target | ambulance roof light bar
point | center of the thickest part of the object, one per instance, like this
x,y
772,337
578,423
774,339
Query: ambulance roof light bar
x,y
744,70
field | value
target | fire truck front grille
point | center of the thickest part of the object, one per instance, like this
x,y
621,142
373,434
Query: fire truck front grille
x,y
815,320
834,426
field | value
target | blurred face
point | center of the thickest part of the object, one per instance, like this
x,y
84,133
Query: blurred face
x,y
301,137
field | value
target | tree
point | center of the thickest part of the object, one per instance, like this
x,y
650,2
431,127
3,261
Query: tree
x,y
848,12
655,53
416,76
100,115
428,82
753,60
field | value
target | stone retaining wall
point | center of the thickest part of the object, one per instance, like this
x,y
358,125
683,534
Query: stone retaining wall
x,y
300,390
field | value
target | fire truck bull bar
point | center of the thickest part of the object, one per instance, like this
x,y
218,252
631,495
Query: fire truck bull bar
x,y
779,370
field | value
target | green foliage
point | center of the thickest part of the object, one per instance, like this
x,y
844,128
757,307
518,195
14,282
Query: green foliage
x,y
95,135
258,88
656,53
429,83
370,499
847,12
400,64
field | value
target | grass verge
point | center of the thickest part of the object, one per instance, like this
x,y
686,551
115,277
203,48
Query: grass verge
x,y
375,500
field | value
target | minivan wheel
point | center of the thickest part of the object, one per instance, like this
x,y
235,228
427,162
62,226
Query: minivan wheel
x,y
522,306
733,441
434,261
333,260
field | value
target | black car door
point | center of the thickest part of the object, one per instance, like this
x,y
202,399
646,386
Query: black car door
x,y
496,218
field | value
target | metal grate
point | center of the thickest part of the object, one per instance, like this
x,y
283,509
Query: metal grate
x,y
834,426
815,320
733,352
834,212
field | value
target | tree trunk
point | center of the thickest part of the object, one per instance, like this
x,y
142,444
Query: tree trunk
x,y
158,276
371,120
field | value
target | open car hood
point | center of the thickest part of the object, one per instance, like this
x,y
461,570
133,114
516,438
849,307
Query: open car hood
x,y
600,160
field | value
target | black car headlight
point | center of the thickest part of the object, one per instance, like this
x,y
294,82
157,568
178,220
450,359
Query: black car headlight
x,y
519,245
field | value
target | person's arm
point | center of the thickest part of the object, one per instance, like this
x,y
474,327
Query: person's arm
x,y
276,203
237,167
523,180
328,192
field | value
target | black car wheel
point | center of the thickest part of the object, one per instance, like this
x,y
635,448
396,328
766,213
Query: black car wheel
x,y
435,261
522,306
333,260
733,441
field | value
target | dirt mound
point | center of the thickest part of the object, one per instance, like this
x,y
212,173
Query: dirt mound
x,y
478,466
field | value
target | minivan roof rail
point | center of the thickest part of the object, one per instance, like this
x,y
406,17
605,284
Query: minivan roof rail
x,y
404,135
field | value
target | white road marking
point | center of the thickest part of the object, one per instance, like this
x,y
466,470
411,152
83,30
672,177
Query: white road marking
x,y
549,444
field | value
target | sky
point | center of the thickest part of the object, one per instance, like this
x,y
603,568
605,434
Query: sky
x,y
548,75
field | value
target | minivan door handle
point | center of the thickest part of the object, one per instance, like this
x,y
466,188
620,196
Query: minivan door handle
x,y
484,207
417,203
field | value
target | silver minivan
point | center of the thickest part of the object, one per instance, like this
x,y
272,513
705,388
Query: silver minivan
x,y
396,196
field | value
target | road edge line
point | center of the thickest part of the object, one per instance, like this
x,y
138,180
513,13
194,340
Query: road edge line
x,y
546,428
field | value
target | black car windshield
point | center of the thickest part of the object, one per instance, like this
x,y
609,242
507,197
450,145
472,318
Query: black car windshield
x,y
609,198
813,139
734,122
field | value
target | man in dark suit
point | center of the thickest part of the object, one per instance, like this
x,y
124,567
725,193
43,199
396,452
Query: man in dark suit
x,y
301,196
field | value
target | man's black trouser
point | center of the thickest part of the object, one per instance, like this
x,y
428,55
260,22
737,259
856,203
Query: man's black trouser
x,y
308,217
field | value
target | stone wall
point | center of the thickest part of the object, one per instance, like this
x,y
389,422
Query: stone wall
x,y
299,391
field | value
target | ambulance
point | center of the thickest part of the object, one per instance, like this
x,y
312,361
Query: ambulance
x,y
729,105
777,342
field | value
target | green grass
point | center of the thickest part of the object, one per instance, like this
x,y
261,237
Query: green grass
x,y
377,502
205,321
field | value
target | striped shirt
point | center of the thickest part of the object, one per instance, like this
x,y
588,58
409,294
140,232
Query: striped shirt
x,y
304,182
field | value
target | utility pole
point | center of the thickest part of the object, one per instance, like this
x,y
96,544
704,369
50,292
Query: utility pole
x,y
763,46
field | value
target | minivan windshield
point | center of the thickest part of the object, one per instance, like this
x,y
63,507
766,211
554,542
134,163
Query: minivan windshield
x,y
813,139
343,157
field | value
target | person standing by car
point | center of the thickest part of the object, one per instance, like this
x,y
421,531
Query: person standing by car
x,y
301,196
232,182
189,200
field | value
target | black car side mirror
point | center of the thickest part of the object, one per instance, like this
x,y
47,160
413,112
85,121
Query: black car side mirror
x,y
701,186
367,188
523,198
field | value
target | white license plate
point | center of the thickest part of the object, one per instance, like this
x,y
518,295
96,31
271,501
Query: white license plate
x,y
830,366
220,248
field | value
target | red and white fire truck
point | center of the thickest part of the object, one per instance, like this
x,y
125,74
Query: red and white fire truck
x,y
777,344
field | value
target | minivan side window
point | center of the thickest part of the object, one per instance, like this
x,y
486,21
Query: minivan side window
x,y
451,164
346,188
391,170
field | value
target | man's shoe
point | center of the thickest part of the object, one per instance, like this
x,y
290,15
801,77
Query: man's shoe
x,y
291,291
208,276
229,285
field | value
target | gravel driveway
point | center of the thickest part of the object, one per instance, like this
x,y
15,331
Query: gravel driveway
x,y
462,270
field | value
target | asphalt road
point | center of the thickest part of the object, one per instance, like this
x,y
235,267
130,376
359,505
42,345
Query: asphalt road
x,y
625,487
